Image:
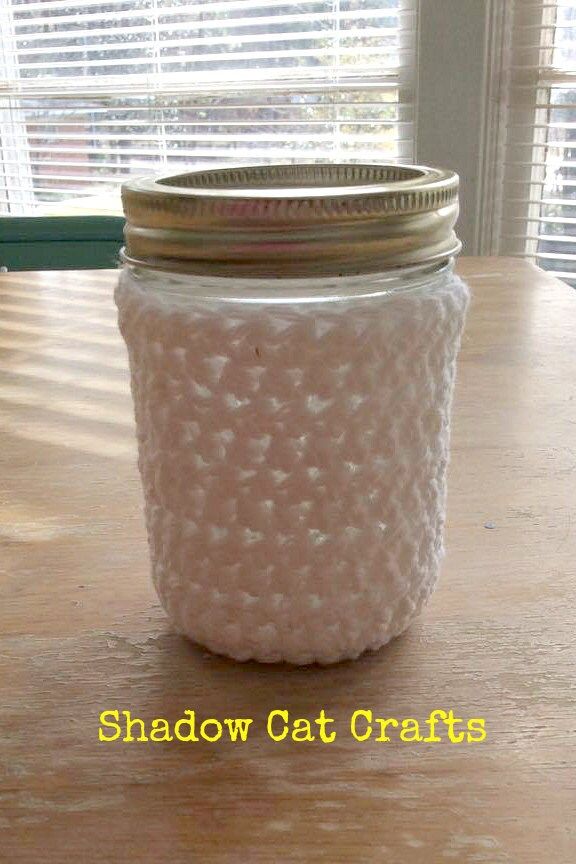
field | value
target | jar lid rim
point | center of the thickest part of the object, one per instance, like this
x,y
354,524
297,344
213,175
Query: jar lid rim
x,y
296,181
293,219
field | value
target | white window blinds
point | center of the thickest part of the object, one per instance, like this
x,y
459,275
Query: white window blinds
x,y
538,209
94,92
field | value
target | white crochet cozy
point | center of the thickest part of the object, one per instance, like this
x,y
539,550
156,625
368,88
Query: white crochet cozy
x,y
293,457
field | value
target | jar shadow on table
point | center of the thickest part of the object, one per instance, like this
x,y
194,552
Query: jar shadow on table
x,y
183,675
288,785
164,675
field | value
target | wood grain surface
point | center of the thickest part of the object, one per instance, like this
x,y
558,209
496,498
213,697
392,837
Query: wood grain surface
x,y
81,630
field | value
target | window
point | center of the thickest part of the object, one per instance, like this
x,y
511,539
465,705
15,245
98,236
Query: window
x,y
92,93
538,210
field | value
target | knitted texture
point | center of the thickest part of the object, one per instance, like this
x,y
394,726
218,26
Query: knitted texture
x,y
293,458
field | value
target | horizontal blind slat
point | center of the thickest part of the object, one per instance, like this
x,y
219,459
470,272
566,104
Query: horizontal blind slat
x,y
217,6
160,45
404,16
234,24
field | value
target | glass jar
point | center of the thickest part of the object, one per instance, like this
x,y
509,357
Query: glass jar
x,y
292,334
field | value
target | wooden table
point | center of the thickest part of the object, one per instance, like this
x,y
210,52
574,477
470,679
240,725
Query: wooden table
x,y
82,631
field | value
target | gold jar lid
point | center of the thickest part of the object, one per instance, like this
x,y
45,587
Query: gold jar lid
x,y
292,220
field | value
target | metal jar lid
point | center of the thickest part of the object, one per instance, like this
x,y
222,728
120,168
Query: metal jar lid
x,y
292,220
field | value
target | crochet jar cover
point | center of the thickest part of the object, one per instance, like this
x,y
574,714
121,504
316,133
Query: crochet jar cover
x,y
293,458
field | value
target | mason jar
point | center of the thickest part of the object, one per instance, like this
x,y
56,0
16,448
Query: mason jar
x,y
292,332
